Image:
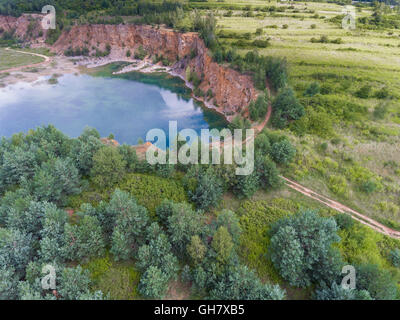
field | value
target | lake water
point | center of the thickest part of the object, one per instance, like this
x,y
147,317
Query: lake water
x,y
127,106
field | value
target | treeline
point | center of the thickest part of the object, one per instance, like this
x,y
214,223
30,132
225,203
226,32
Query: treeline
x,y
76,8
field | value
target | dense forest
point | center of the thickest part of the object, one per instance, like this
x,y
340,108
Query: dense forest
x,y
168,236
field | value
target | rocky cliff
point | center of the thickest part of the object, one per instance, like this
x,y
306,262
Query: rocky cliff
x,y
231,91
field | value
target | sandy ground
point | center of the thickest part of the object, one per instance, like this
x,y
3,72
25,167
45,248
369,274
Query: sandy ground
x,y
30,73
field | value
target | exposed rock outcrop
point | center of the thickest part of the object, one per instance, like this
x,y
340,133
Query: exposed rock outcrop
x,y
26,27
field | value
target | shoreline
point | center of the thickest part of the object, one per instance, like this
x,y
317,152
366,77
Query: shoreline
x,y
145,66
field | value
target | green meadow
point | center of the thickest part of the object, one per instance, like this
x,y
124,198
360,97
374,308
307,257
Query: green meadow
x,y
355,159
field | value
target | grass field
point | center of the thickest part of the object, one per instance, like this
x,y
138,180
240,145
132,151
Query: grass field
x,y
12,59
354,153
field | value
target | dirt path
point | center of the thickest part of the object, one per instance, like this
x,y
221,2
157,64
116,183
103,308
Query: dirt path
x,y
329,202
343,209
46,60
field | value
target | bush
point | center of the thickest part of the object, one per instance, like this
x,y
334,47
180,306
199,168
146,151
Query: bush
x,y
395,257
380,111
382,93
377,281
150,191
338,185
283,152
301,249
364,92
344,221
203,188
313,89
140,53
286,108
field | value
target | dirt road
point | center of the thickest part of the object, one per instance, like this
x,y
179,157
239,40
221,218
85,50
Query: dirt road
x,y
343,209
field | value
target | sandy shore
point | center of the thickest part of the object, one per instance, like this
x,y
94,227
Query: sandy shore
x,y
57,66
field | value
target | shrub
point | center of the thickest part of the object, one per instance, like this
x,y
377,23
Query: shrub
x,y
338,185
286,108
395,257
283,152
203,188
344,221
140,53
313,89
256,217
150,191
380,111
108,167
382,93
364,92
377,281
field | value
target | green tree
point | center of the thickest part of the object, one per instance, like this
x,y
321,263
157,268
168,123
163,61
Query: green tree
x,y
283,152
73,283
15,165
262,144
108,167
129,156
158,253
301,247
246,185
8,283
395,257
242,283
56,180
196,249
154,283
16,250
83,149
52,235
207,189
223,245
182,225
83,240
130,224
286,108
230,221
31,219
377,281
336,292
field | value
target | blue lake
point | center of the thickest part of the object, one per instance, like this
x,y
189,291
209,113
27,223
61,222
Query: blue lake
x,y
127,106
